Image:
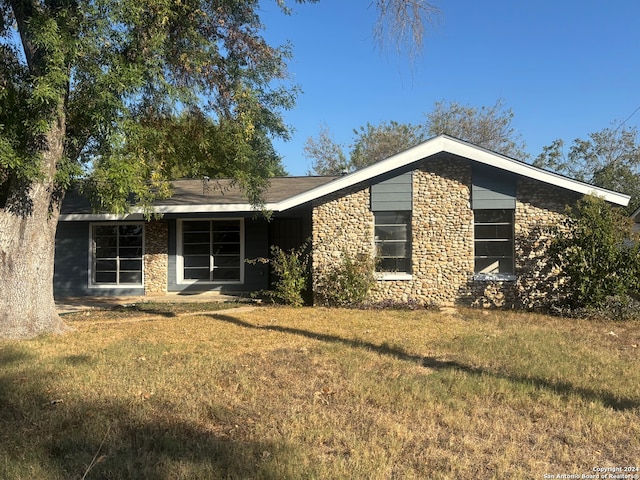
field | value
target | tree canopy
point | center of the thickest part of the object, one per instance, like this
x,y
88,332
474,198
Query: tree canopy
x,y
110,72
489,127
609,158
371,144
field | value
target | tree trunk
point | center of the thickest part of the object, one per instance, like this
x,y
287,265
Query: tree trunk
x,y
28,224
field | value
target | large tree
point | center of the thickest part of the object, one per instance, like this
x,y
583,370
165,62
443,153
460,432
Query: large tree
x,y
609,158
377,142
81,84
489,127
327,155
371,144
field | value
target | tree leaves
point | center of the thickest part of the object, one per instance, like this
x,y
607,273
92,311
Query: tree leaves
x,y
597,253
104,68
609,158
488,127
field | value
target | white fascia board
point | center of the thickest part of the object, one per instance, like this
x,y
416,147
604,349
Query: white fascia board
x,y
444,144
213,208
487,157
137,214
402,159
98,217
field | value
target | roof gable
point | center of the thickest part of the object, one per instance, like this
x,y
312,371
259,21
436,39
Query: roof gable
x,y
446,144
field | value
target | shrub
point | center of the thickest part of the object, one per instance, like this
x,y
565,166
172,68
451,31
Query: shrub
x,y
598,257
290,268
620,308
348,283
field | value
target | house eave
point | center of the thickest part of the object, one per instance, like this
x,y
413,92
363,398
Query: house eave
x,y
137,214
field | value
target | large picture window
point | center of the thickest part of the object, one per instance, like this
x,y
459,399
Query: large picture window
x,y
393,241
494,247
117,254
211,250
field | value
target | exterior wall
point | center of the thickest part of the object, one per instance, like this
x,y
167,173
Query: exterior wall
x,y
443,239
342,225
156,258
539,207
71,265
442,236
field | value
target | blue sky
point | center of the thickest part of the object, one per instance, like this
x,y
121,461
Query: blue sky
x,y
565,67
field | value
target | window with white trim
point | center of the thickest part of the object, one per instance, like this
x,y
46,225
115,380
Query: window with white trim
x,y
493,242
211,250
393,241
117,251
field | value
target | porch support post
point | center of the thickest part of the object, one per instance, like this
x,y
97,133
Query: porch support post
x,y
156,258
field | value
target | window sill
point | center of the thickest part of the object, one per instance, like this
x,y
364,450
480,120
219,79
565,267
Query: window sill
x,y
393,276
209,282
494,277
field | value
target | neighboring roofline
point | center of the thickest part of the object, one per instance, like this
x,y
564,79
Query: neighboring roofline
x,y
429,148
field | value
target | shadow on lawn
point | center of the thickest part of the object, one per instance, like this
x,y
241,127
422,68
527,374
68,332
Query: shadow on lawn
x,y
44,437
561,388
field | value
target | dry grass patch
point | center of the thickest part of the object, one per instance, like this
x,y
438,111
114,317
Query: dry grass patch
x,y
321,393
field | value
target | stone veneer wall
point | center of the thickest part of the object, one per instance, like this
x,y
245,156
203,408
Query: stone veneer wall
x,y
539,207
442,236
156,258
342,225
442,239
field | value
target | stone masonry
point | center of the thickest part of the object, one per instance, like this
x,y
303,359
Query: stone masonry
x,y
156,258
442,239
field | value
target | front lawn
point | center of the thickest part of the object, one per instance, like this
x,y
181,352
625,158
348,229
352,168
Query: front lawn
x,y
279,393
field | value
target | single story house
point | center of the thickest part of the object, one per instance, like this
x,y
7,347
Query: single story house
x,y
449,222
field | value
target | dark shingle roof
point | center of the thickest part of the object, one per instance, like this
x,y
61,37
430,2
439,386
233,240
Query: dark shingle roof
x,y
211,192
223,191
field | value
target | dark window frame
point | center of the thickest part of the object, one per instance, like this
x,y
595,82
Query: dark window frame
x,y
386,227
117,255
214,255
494,244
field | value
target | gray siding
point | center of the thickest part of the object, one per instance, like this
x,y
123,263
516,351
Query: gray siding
x,y
71,264
492,188
393,194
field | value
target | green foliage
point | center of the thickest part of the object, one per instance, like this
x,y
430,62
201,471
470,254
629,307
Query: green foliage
x,y
598,256
291,269
326,154
377,142
371,144
292,272
609,158
347,283
488,127
110,72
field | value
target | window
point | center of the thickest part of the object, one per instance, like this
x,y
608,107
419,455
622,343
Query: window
x,y
393,241
494,249
117,254
211,250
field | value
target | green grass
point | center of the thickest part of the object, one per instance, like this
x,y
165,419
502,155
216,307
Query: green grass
x,y
279,393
